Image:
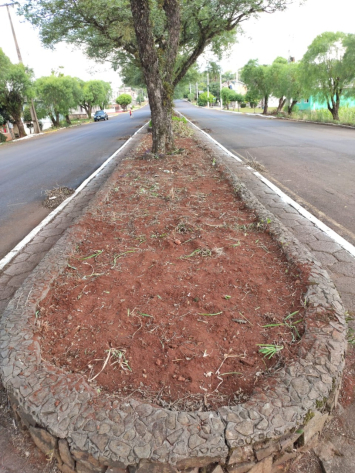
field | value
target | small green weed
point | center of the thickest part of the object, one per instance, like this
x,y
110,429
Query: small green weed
x,y
98,252
212,315
288,322
269,350
199,252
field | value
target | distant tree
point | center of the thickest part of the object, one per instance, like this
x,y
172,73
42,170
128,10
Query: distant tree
x,y
228,76
227,95
124,100
140,99
235,97
213,70
58,94
205,98
294,85
106,97
215,89
93,93
278,77
15,86
258,80
252,98
5,64
328,70
192,77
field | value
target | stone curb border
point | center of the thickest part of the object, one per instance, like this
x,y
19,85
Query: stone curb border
x,y
286,412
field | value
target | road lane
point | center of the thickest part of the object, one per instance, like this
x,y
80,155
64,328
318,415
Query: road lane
x,y
313,164
63,158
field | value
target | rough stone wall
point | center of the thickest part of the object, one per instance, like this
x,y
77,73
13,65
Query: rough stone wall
x,y
287,410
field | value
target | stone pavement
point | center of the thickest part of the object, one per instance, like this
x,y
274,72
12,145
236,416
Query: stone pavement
x,y
339,264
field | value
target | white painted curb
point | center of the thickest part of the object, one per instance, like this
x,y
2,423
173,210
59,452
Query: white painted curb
x,y
331,233
6,259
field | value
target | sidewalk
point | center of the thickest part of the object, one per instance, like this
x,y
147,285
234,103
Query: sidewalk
x,y
338,262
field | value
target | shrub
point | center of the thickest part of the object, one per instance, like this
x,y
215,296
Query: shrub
x,y
191,97
243,105
124,100
2,138
204,98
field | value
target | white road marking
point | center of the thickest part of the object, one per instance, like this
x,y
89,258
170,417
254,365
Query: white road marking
x,y
6,259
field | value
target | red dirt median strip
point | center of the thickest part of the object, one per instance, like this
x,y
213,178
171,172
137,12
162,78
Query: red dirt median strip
x,y
142,307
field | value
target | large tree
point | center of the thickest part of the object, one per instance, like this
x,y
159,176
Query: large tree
x,y
164,37
94,93
294,89
15,86
278,79
258,79
58,94
328,68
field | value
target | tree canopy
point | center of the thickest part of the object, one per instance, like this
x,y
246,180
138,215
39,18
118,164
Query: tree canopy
x,y
328,69
15,86
258,79
58,95
94,93
163,37
124,100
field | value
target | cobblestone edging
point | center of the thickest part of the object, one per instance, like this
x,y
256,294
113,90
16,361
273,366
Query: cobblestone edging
x,y
288,410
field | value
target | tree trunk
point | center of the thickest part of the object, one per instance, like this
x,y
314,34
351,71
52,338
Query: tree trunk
x,y
55,119
20,126
158,70
334,106
67,119
87,108
266,104
282,101
290,107
52,120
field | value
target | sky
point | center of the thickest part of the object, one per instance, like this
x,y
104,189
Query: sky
x,y
287,33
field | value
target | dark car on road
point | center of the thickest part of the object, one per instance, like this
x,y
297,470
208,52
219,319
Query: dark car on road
x,y
100,115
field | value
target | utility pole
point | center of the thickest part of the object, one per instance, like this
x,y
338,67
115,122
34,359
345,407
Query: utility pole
x,y
208,91
197,91
220,90
32,107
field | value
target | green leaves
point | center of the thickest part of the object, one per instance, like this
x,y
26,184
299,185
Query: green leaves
x,y
124,100
327,68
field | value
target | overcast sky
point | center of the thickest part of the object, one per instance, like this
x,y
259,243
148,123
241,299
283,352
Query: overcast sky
x,y
279,34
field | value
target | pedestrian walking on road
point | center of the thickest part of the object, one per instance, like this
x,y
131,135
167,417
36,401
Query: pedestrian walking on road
x,y
130,112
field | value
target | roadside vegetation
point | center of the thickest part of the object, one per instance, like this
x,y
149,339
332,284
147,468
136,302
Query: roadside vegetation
x,y
54,97
319,88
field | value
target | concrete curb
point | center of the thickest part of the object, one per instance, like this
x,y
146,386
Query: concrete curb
x,y
57,407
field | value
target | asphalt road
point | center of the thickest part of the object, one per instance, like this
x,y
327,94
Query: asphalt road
x,y
65,158
313,164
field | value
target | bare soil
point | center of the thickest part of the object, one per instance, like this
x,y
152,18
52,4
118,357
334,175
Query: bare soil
x,y
173,286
